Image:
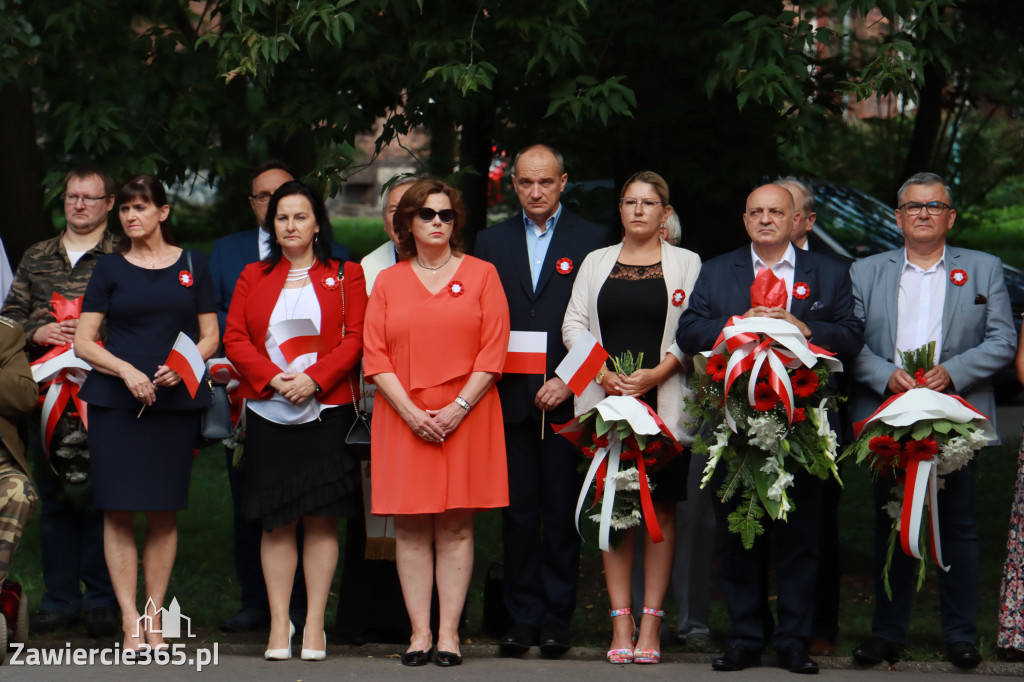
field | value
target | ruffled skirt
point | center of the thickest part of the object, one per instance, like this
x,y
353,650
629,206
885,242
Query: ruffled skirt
x,y
296,470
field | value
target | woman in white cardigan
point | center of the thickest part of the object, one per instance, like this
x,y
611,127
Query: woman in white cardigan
x,y
630,296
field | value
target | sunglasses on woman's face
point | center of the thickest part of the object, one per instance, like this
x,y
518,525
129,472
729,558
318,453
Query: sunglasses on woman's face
x,y
446,215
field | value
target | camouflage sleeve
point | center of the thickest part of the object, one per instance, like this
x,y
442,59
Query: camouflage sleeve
x,y
18,305
18,390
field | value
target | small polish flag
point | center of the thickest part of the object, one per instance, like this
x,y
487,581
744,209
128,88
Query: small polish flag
x,y
527,353
186,360
295,338
223,372
582,363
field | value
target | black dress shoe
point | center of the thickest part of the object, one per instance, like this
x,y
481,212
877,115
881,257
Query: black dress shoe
x,y
795,659
447,659
737,658
246,620
47,621
418,657
554,640
876,650
963,654
102,622
518,640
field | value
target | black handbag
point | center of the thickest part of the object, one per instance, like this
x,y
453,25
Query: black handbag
x,y
216,421
358,436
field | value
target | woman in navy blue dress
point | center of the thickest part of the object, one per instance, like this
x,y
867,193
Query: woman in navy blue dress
x,y
146,293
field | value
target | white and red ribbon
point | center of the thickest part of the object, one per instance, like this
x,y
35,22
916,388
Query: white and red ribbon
x,y
922,481
752,341
61,375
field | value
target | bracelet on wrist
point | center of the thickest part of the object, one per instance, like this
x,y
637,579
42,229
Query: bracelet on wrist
x,y
463,403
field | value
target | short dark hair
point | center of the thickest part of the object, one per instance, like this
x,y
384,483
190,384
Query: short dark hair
x,y
150,190
82,172
925,178
807,207
321,243
272,164
412,201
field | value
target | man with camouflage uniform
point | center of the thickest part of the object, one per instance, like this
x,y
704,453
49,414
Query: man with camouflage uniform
x,y
18,393
72,536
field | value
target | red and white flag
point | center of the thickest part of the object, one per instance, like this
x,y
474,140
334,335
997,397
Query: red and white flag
x,y
582,363
186,360
527,353
295,338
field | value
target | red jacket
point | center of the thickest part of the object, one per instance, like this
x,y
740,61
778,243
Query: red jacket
x,y
252,303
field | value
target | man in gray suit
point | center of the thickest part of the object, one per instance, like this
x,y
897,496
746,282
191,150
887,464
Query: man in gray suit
x,y
928,291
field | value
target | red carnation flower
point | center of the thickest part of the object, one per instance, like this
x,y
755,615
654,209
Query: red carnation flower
x,y
764,397
921,450
884,446
651,462
799,415
629,455
588,452
653,447
716,366
919,377
600,441
805,382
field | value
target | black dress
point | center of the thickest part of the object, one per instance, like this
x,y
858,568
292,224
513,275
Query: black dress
x,y
143,463
632,305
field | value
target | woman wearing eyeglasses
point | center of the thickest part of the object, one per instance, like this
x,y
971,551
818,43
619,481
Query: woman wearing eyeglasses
x,y
630,296
437,329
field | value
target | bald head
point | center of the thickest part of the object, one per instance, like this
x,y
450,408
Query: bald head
x,y
769,221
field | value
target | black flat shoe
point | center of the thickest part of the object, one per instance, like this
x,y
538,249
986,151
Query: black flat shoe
x,y
518,640
418,657
795,659
963,654
447,659
737,658
876,650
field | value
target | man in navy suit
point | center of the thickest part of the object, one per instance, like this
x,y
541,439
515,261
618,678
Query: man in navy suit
x,y
229,257
929,291
826,318
541,544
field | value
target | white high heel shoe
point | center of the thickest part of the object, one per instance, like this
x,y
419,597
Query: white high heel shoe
x,y
281,654
313,654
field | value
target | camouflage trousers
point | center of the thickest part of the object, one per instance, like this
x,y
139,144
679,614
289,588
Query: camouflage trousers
x,y
17,500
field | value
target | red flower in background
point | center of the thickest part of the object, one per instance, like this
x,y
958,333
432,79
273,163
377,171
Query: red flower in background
x,y
805,382
716,366
799,415
600,441
921,450
884,446
653,447
764,397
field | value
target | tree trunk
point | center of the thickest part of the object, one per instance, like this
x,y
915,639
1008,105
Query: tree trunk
x,y
927,125
25,220
475,152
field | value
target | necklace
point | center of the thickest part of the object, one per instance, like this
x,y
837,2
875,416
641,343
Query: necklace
x,y
425,267
298,274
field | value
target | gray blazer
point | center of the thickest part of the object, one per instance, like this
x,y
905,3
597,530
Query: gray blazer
x,y
977,327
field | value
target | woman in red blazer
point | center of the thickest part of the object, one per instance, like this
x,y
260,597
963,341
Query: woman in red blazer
x,y
294,333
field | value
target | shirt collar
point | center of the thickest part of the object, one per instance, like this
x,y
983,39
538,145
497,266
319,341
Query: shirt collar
x,y
940,263
548,225
789,257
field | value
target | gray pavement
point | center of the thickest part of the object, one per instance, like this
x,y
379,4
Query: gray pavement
x,y
380,662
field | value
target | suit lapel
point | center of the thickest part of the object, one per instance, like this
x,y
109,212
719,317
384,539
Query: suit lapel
x,y
556,250
519,255
891,285
803,271
953,291
743,280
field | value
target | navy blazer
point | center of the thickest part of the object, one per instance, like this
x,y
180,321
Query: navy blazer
x,y
230,255
723,290
504,246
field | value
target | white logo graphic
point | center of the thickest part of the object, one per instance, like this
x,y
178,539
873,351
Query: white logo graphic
x,y
170,621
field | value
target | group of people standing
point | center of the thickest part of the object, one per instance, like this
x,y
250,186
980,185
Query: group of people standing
x,y
427,326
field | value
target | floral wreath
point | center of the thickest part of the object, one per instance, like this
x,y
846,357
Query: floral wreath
x,y
185,278
455,288
330,282
563,266
801,290
958,277
678,296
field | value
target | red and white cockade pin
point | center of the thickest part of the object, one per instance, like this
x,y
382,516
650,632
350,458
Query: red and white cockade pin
x,y
330,282
185,277
801,290
678,296
455,288
958,277
564,266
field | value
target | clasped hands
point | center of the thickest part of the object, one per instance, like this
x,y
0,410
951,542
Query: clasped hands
x,y
779,314
142,388
296,387
636,384
433,425
937,379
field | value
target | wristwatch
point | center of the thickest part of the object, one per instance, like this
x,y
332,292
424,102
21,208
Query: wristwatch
x,y
461,402
600,375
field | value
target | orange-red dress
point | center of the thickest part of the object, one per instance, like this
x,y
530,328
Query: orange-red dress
x,y
432,343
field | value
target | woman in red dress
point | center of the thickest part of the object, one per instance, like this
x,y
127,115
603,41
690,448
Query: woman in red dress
x,y
436,335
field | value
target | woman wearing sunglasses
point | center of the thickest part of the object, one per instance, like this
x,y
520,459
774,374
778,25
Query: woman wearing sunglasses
x,y
437,328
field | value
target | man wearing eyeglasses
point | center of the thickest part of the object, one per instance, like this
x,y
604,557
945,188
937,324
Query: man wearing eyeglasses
x,y
229,257
930,291
72,535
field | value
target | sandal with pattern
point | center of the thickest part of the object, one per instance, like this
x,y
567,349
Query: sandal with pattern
x,y
619,656
649,655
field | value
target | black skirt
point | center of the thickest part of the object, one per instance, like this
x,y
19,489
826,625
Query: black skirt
x,y
296,470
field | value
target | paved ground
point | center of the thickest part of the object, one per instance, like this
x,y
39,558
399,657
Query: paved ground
x,y
380,662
